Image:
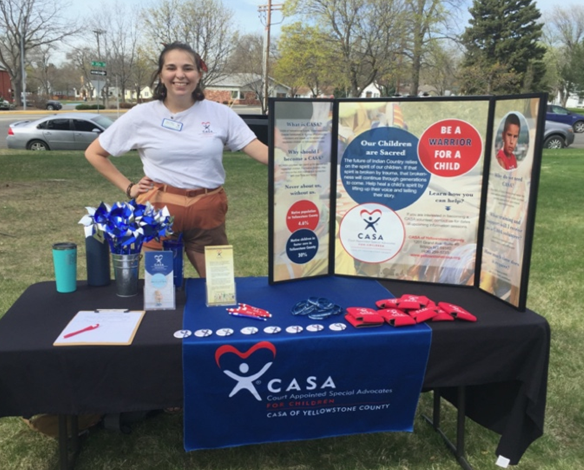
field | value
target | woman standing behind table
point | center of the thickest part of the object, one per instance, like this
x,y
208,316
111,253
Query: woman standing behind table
x,y
180,138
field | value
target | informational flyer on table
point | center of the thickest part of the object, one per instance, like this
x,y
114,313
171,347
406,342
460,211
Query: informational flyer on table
x,y
302,189
159,292
509,188
220,280
409,192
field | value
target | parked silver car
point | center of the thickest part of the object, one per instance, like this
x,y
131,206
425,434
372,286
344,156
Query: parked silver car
x,y
67,131
557,135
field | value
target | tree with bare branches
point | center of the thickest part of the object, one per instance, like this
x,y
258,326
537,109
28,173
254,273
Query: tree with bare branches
x,y
81,58
203,24
26,25
365,34
118,27
427,21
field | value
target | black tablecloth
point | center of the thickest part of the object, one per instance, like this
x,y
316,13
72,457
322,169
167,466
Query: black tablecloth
x,y
502,360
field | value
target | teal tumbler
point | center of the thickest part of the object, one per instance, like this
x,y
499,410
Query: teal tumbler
x,y
65,262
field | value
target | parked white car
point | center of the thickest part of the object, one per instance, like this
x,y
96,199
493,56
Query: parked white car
x,y
67,131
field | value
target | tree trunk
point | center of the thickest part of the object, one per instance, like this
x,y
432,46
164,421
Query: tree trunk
x,y
416,64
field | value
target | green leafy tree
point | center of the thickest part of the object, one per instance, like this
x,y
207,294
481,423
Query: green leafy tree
x,y
503,52
485,77
564,33
366,34
307,58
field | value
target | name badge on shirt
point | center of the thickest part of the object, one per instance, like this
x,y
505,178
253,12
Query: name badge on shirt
x,y
173,125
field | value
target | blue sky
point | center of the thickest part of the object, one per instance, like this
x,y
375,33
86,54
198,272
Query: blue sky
x,y
246,11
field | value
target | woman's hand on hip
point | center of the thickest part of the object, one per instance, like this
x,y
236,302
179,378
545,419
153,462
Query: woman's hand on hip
x,y
141,187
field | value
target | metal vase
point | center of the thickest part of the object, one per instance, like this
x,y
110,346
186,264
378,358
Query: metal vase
x,y
126,270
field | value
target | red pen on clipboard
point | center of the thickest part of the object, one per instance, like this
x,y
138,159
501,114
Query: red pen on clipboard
x,y
88,328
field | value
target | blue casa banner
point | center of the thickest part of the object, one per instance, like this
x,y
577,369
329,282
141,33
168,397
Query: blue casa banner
x,y
294,378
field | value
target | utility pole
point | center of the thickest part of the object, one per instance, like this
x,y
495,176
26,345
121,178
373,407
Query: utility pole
x,y
99,32
22,70
266,12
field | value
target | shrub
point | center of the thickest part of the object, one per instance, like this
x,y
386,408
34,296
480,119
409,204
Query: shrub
x,y
89,106
39,102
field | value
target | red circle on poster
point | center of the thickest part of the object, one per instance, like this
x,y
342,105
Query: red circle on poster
x,y
302,214
450,148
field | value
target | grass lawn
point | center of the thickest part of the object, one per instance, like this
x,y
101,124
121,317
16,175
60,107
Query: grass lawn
x,y
43,196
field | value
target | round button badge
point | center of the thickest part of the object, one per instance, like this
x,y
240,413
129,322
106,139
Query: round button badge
x,y
314,328
249,330
224,332
180,334
203,333
272,330
294,329
338,326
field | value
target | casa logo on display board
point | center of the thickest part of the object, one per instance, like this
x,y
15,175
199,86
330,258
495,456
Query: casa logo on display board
x,y
372,233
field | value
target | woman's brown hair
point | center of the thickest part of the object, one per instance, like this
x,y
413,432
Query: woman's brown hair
x,y
160,90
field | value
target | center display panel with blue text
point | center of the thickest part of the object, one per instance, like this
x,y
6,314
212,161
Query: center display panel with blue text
x,y
439,190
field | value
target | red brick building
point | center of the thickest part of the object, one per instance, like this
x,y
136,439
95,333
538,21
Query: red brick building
x,y
5,86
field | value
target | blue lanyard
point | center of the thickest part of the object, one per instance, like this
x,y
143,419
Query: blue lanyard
x,y
316,308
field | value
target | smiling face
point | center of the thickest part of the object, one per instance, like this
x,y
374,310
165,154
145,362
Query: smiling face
x,y
179,74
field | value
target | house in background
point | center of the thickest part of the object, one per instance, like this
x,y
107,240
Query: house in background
x,y
306,92
243,88
5,85
132,96
573,101
373,91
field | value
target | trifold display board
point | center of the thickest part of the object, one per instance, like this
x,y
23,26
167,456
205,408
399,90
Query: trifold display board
x,y
439,190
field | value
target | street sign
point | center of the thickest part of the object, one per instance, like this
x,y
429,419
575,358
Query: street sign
x,y
98,72
95,63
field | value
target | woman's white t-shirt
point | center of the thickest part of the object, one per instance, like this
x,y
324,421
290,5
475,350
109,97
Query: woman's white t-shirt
x,y
183,149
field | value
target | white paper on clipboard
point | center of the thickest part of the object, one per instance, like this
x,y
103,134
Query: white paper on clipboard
x,y
114,328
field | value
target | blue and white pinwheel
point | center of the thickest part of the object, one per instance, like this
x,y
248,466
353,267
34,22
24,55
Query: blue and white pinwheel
x,y
127,225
